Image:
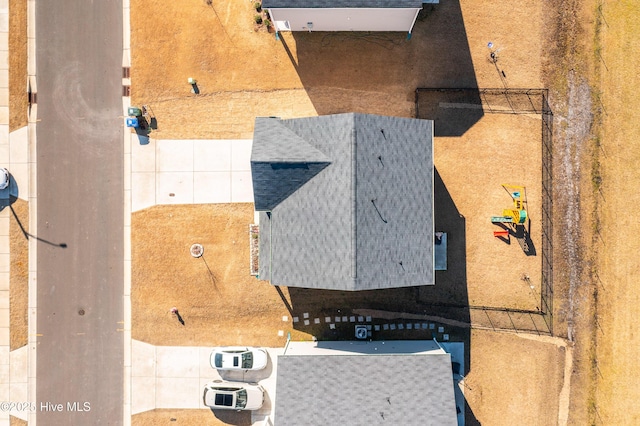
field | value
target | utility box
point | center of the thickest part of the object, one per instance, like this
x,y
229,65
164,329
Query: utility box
x,y
134,112
361,332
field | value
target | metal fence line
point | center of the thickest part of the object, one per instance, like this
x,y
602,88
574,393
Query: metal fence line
x,y
510,101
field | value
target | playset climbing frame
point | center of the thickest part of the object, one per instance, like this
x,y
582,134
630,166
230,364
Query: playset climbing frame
x,y
518,214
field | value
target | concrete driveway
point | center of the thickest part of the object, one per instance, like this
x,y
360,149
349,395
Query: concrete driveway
x,y
189,171
174,377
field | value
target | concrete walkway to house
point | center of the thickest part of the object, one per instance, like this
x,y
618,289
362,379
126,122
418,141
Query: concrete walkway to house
x,y
189,171
175,376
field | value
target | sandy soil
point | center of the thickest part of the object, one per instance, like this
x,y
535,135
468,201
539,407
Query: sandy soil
x,y
19,275
18,100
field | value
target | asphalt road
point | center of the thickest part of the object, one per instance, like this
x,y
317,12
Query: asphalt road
x,y
80,204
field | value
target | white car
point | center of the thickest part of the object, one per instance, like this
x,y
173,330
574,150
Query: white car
x,y
233,395
4,178
238,358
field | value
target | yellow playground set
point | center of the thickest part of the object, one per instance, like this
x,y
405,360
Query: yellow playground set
x,y
518,214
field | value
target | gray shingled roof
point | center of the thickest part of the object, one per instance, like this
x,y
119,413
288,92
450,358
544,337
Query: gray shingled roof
x,y
365,390
341,4
287,160
327,232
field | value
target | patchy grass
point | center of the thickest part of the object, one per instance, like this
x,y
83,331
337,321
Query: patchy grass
x,y
614,397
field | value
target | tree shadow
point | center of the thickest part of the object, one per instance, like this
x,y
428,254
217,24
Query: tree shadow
x,y
27,235
378,72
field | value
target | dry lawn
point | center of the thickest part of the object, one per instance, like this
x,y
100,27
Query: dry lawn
x,y
14,421
19,276
221,304
242,74
514,380
499,149
191,417
18,99
616,363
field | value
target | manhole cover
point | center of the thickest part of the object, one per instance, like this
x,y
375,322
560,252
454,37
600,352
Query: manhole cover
x,y
197,250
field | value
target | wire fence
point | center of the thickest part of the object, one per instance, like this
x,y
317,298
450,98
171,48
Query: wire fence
x,y
430,103
492,101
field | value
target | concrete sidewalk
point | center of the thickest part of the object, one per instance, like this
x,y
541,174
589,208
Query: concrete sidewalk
x,y
174,377
14,155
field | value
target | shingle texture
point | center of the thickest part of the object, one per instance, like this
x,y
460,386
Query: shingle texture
x,y
351,208
341,4
365,390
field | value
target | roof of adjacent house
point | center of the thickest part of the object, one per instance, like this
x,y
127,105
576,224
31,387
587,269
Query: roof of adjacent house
x,y
347,201
367,390
304,4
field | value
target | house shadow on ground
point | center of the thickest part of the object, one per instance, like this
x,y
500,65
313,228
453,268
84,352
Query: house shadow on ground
x,y
378,72
412,313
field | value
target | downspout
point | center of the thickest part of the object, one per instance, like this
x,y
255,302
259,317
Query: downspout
x,y
286,345
273,22
439,345
412,24
270,246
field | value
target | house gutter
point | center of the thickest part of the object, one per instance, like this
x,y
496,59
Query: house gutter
x,y
354,204
435,340
413,23
271,247
433,204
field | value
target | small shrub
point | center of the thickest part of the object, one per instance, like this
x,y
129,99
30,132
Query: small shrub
x,y
258,19
267,23
257,6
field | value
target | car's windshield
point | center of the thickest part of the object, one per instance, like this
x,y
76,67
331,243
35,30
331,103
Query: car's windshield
x,y
218,360
247,360
241,398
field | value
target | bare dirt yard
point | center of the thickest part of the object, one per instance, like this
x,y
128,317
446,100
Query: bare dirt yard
x,y
243,73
